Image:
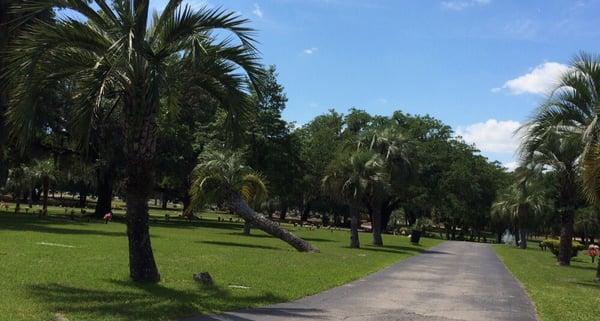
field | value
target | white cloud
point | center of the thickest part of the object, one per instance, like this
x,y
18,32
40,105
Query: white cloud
x,y
541,80
492,136
159,5
257,11
458,5
310,51
197,4
523,28
382,101
511,166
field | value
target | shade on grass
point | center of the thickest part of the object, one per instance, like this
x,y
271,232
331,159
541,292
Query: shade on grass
x,y
89,281
559,293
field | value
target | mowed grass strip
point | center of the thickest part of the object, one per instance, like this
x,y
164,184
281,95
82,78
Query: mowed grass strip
x,y
80,269
559,293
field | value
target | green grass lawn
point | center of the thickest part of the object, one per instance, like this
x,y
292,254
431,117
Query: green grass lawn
x,y
559,293
88,280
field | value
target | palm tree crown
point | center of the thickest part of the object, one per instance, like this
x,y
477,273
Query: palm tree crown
x,y
218,174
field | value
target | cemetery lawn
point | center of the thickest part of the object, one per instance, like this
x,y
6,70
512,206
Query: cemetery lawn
x,y
79,269
559,293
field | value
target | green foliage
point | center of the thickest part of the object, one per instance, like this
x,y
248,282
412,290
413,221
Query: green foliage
x,y
422,223
521,204
352,177
218,174
554,245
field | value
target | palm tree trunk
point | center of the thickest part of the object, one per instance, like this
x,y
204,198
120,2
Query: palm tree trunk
x,y
523,238
140,148
566,237
142,267
376,226
186,201
354,217
164,201
283,213
105,178
305,212
247,226
598,271
17,199
45,184
238,206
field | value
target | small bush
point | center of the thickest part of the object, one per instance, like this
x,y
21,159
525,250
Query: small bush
x,y
554,246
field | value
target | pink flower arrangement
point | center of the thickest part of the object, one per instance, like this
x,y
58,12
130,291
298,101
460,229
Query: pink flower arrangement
x,y
108,217
593,251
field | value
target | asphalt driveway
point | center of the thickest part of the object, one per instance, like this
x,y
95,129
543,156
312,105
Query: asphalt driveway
x,y
453,281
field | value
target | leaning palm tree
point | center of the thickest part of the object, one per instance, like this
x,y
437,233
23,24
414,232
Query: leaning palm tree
x,y
117,52
223,177
561,152
519,204
351,179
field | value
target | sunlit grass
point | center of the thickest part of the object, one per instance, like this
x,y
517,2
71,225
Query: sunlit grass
x,y
559,293
88,279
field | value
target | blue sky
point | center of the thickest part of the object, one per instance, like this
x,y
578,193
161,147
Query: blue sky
x,y
481,66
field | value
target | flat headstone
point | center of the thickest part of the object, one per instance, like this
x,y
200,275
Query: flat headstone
x,y
204,278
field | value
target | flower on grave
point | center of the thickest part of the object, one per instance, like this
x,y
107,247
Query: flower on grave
x,y
593,251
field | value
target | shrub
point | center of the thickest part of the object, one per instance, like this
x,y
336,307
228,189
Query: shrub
x,y
554,245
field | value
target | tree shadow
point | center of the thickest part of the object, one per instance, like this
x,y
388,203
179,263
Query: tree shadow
x,y
399,249
316,239
44,225
436,252
590,284
267,236
235,244
578,267
256,314
143,302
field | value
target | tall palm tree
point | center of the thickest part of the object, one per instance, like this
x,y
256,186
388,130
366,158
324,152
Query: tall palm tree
x,y
121,53
223,177
351,180
519,204
392,145
561,152
574,108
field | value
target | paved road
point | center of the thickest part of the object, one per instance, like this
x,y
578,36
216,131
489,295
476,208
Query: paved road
x,y
453,281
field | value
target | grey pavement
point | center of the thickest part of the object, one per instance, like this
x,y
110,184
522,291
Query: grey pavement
x,y
453,281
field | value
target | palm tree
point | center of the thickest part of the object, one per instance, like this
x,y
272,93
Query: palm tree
x,y
121,53
351,180
254,196
392,145
19,180
519,204
561,152
573,108
223,177
44,170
